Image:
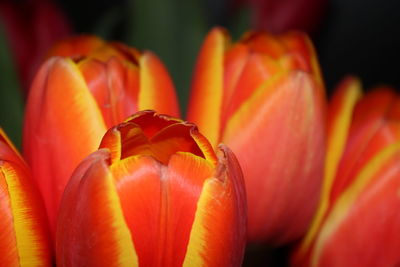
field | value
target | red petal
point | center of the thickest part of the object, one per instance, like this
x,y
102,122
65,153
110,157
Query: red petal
x,y
279,177
218,234
156,88
63,124
91,227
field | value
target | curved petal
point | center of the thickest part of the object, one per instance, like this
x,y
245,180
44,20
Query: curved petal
x,y
28,223
91,221
218,234
76,47
298,44
283,171
372,198
339,122
368,135
159,203
24,238
156,88
62,125
208,86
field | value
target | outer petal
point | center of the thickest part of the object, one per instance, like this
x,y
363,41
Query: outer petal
x,y
368,135
208,86
218,235
62,125
159,203
339,120
156,88
24,239
283,171
372,198
91,228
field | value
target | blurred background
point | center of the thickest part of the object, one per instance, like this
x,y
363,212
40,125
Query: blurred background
x,y
359,37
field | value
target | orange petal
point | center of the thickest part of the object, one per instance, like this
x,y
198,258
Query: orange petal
x,y
114,85
172,139
282,171
207,86
264,43
24,240
339,121
300,46
367,136
373,199
76,47
62,125
258,68
156,88
159,204
91,227
218,233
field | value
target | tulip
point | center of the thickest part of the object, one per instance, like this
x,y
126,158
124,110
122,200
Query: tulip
x,y
263,97
280,16
24,238
32,27
77,97
154,194
357,221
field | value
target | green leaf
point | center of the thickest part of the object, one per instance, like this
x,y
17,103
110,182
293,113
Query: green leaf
x,y
11,103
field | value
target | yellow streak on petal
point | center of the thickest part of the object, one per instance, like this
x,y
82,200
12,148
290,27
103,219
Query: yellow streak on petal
x,y
28,245
349,196
127,252
197,241
208,86
335,145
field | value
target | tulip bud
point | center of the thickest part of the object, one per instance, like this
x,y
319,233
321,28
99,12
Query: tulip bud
x,y
263,97
73,101
357,222
154,194
24,239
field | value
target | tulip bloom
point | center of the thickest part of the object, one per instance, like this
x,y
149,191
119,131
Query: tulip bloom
x,y
263,97
357,222
154,194
75,99
24,238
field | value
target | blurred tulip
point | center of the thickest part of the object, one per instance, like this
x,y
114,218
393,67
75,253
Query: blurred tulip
x,y
154,194
357,222
73,101
32,27
279,16
263,97
24,239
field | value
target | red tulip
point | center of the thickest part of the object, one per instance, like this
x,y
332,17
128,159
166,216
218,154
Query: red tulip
x,y
278,16
73,101
357,222
32,27
154,194
24,237
263,97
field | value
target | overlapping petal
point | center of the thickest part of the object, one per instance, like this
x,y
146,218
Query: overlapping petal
x,y
264,97
360,185
180,206
88,86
